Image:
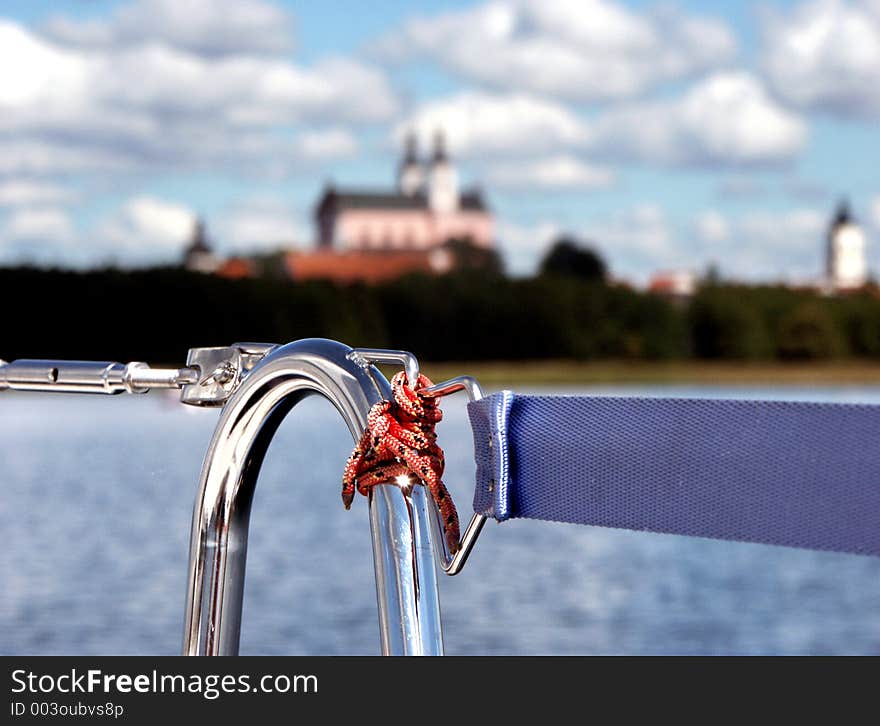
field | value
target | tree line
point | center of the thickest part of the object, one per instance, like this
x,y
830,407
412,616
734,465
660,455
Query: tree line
x,y
568,310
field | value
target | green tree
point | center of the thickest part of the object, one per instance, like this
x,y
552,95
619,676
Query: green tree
x,y
726,323
568,257
808,332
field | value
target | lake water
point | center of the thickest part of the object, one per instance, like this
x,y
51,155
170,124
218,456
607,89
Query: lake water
x,y
95,504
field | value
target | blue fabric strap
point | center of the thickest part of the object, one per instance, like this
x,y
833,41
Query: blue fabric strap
x,y
796,474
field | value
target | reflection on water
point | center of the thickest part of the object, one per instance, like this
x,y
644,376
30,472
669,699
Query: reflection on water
x,y
95,507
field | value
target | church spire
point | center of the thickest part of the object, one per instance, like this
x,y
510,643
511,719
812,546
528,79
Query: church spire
x,y
443,195
843,215
410,149
198,241
410,174
197,256
440,154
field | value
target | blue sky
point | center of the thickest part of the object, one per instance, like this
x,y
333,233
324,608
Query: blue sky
x,y
671,135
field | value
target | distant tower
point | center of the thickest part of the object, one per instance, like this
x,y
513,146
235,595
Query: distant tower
x,y
845,266
442,179
410,174
198,256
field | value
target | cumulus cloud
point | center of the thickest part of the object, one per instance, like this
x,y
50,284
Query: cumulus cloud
x,y
523,245
23,193
204,27
477,123
30,225
35,235
711,226
326,144
725,119
636,241
153,106
639,240
145,230
142,230
50,156
633,241
582,50
261,223
554,172
763,245
825,56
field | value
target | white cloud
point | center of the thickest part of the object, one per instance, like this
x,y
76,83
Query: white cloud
x,y
636,241
523,245
711,226
33,225
756,246
204,27
326,144
145,230
825,56
261,224
785,228
761,245
477,123
788,245
20,193
584,50
42,157
151,106
727,118
554,172
35,235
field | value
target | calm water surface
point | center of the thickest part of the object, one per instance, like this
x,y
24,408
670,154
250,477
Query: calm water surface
x,y
95,505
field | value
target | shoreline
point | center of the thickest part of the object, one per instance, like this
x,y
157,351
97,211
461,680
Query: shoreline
x,y
726,373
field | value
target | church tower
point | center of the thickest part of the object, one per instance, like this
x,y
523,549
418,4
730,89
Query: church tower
x,y
443,195
845,265
410,174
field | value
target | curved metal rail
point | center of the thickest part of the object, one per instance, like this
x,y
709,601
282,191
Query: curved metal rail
x,y
400,519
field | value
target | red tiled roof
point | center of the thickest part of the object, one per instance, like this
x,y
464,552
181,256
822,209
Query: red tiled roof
x,y
345,267
235,268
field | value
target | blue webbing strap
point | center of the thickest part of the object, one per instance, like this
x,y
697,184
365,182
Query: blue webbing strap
x,y
796,474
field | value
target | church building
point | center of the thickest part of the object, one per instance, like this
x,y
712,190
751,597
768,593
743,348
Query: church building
x,y
426,209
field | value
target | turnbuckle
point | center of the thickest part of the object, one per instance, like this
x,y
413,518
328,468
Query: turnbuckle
x,y
450,563
209,377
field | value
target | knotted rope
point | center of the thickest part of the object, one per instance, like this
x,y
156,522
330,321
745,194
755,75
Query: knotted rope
x,y
399,444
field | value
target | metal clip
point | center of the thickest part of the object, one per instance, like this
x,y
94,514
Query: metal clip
x,y
449,563
366,356
221,370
